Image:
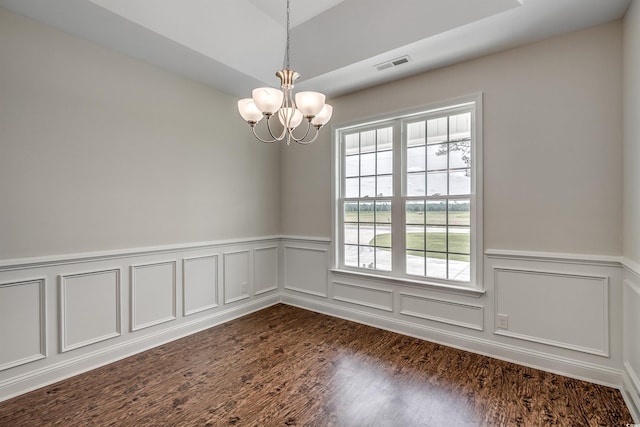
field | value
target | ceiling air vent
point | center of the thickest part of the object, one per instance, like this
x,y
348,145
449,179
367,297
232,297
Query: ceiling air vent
x,y
393,63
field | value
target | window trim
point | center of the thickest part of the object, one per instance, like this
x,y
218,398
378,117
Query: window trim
x,y
475,285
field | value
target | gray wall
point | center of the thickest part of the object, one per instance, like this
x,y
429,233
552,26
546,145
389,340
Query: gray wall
x,y
632,133
552,144
99,151
631,205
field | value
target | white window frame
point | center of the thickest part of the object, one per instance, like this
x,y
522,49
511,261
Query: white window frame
x,y
398,273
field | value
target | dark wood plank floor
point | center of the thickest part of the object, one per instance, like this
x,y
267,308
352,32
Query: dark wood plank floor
x,y
287,366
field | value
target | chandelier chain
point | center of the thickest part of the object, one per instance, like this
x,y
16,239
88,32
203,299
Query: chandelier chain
x,y
288,33
269,102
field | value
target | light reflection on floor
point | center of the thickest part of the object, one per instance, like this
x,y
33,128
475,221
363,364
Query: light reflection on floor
x,y
367,394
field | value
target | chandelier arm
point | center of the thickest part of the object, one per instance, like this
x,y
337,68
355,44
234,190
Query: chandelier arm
x,y
315,136
299,140
277,138
253,128
311,140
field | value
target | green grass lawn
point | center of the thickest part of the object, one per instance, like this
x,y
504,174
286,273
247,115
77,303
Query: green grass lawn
x,y
432,217
383,217
438,217
458,242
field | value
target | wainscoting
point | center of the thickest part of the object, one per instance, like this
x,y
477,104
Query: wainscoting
x,y
562,313
60,316
631,333
558,312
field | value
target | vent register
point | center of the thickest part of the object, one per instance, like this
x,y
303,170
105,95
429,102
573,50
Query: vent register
x,y
393,63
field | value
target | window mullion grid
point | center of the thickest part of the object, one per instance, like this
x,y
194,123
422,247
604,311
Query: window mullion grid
x,y
358,225
398,218
399,199
446,235
375,199
343,192
473,253
424,241
426,191
359,191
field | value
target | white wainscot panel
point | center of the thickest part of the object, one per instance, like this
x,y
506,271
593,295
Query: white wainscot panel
x,y
306,270
562,310
200,283
443,311
89,308
153,294
236,276
265,270
632,332
22,323
381,299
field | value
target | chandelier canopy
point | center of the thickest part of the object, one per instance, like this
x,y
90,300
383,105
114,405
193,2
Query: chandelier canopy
x,y
291,110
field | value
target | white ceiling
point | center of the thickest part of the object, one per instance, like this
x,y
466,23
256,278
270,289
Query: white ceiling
x,y
236,45
304,10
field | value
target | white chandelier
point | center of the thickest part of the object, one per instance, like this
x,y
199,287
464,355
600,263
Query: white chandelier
x,y
291,111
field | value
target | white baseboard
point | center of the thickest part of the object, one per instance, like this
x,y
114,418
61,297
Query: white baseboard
x,y
571,368
53,373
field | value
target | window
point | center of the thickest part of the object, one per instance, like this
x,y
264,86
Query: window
x,y
408,195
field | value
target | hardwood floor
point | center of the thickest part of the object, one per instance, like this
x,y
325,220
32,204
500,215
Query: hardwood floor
x,y
288,366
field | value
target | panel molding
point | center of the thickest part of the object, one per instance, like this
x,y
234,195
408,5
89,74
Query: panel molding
x,y
604,351
134,325
185,284
275,286
478,308
243,294
42,332
387,292
62,280
325,253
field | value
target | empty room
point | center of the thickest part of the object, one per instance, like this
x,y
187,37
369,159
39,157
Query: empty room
x,y
319,213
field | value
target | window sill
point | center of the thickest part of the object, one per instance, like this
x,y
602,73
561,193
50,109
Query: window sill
x,y
460,290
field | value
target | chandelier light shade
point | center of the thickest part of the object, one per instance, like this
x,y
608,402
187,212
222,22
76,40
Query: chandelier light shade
x,y
310,103
292,111
249,111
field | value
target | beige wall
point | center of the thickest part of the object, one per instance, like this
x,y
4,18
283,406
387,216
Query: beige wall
x,y
552,143
632,133
99,151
